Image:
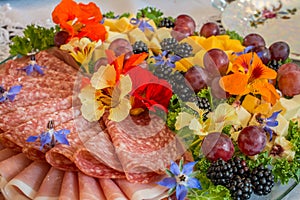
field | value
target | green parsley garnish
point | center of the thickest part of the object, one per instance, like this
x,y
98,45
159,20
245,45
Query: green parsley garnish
x,y
36,38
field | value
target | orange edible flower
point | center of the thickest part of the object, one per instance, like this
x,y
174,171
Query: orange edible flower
x,y
79,20
250,75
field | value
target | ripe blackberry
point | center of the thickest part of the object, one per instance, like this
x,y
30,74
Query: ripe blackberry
x,y
273,64
203,103
163,71
166,22
183,50
169,44
239,167
179,87
139,47
262,180
240,187
220,172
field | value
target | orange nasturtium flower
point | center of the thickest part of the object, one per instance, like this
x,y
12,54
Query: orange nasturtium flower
x,y
79,20
250,75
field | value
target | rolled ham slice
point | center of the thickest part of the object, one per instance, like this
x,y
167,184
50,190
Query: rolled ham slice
x,y
26,184
69,187
6,153
10,167
51,185
140,191
89,188
111,190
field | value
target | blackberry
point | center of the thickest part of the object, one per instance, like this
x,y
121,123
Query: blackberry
x,y
139,47
262,180
203,103
179,86
273,64
240,187
166,22
239,167
220,172
163,71
183,50
169,44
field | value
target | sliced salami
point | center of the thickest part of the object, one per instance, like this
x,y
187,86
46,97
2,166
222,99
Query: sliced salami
x,y
142,148
111,190
89,188
24,114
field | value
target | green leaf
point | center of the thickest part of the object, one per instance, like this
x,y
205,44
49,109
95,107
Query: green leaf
x,y
234,35
36,38
149,12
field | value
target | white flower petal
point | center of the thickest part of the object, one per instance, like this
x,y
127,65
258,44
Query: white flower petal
x,y
121,111
105,77
183,119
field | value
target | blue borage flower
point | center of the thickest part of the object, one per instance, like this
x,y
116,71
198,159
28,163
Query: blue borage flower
x,y
166,59
33,66
10,94
142,24
247,50
180,179
269,122
51,137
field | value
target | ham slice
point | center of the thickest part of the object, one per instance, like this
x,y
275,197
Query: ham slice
x,y
10,167
111,190
144,146
139,191
6,153
89,188
69,187
51,185
26,184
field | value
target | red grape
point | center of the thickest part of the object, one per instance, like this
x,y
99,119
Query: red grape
x,y
120,46
289,83
286,68
216,90
180,32
279,51
265,54
254,39
208,29
217,145
196,78
60,38
252,140
185,20
100,62
216,62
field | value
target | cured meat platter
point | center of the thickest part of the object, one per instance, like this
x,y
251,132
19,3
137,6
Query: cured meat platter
x,y
142,105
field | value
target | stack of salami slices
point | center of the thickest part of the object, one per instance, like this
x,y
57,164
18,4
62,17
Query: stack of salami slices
x,y
104,159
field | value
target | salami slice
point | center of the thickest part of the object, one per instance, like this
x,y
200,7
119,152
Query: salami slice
x,y
27,182
143,149
36,126
24,114
62,156
31,96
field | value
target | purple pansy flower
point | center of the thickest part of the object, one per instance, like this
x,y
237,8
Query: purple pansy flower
x,y
51,137
180,179
10,94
